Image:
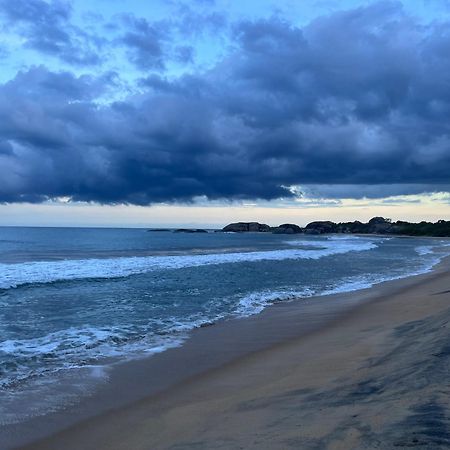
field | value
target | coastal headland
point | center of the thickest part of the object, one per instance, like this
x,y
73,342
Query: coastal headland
x,y
376,225
374,375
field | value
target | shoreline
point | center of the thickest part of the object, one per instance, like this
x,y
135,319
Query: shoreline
x,y
208,352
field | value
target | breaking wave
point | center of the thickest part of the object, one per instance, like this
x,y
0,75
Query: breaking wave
x,y
14,275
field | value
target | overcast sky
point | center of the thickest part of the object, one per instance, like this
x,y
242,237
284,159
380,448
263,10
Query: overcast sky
x,y
205,111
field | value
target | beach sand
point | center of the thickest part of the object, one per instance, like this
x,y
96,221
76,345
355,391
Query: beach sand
x,y
374,376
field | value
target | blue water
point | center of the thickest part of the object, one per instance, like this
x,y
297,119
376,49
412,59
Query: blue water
x,y
72,298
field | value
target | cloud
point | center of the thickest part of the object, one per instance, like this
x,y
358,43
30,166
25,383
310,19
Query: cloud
x,y
373,191
197,22
3,52
151,45
145,42
47,28
357,99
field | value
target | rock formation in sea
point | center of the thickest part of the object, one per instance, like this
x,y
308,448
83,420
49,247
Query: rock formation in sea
x,y
321,227
190,230
241,227
376,225
287,228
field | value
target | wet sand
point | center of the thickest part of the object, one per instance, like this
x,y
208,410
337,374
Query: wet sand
x,y
362,370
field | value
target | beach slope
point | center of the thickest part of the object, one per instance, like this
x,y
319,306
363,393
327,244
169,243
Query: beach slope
x,y
377,377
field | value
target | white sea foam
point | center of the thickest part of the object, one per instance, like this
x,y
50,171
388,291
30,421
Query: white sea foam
x,y
439,251
256,302
335,239
358,283
13,275
339,237
424,249
80,347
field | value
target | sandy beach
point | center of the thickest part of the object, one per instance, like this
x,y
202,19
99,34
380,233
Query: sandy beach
x,y
375,375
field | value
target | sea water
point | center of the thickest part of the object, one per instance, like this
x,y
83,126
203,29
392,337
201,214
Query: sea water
x,y
73,298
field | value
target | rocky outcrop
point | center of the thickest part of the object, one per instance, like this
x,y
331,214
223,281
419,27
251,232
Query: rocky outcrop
x,y
287,228
351,227
190,230
242,227
376,225
321,227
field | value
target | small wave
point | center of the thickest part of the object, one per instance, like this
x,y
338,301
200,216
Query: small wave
x,y
81,347
424,250
256,302
14,275
359,283
340,237
352,237
335,239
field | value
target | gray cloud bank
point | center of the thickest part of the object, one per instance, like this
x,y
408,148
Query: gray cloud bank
x,y
359,97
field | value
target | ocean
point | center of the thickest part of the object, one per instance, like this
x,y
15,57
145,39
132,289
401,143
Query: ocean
x,y
78,299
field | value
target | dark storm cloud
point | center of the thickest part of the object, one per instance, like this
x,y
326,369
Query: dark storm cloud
x,y
145,42
372,191
184,54
150,45
192,22
47,28
356,98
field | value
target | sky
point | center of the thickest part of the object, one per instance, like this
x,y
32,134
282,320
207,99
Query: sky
x,y
202,112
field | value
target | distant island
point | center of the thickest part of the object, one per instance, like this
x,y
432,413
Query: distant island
x,y
189,230
376,225
179,230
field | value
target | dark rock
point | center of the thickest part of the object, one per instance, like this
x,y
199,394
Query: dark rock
x,y
242,227
190,230
376,225
321,227
287,228
352,227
